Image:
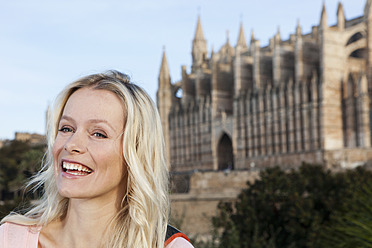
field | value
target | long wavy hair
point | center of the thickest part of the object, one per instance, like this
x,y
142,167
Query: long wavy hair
x,y
143,217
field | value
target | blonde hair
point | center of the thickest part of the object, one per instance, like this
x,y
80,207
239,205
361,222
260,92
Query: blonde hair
x,y
142,220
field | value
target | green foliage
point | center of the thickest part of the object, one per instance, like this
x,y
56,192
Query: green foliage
x,y
298,209
18,162
351,227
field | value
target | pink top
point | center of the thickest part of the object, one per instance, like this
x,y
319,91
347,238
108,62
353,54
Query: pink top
x,y
20,236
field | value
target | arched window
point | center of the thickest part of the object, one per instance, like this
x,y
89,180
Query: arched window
x,y
179,93
225,153
351,114
359,53
354,38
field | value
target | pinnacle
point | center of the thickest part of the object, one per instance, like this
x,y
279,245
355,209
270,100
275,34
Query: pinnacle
x,y
241,39
252,35
298,27
199,31
164,68
340,7
323,18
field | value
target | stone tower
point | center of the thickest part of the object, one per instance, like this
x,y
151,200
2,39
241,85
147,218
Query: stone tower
x,y
164,100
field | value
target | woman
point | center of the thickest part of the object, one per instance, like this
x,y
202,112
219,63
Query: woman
x,y
104,176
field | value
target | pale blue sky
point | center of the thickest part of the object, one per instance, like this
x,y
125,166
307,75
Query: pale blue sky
x,y
45,44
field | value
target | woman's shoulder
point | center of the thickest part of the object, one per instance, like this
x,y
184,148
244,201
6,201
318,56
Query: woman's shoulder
x,y
179,243
17,235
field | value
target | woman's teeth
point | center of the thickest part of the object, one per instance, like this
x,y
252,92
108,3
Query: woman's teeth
x,y
76,169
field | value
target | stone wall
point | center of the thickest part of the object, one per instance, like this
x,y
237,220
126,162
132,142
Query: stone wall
x,y
348,158
192,212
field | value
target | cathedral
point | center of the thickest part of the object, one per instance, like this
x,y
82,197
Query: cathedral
x,y
305,99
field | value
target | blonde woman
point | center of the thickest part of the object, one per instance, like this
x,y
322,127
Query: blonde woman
x,y
104,176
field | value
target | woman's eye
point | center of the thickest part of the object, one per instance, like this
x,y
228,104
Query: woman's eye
x,y
65,129
99,135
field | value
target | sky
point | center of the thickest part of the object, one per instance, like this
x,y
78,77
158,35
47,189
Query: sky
x,y
46,44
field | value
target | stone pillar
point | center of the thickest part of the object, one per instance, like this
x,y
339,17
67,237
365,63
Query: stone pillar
x,y
299,63
237,72
332,64
277,59
363,105
255,50
290,120
282,119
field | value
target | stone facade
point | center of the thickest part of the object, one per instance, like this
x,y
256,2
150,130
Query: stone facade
x,y
302,99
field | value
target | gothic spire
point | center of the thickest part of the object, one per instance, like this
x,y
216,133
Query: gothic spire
x,y
164,75
340,9
199,47
298,28
199,31
323,17
241,39
252,36
340,16
277,35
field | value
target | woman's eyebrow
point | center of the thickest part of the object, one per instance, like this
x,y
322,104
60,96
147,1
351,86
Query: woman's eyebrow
x,y
102,121
67,118
95,121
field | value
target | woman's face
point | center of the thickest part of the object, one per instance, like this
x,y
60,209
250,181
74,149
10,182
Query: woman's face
x,y
88,148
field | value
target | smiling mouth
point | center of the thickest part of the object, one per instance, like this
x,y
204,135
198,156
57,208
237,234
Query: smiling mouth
x,y
75,169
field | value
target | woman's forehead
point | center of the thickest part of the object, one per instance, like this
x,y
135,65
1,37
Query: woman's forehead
x,y
95,104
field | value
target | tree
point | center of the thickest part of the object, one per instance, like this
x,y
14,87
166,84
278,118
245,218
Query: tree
x,y
18,161
352,226
288,209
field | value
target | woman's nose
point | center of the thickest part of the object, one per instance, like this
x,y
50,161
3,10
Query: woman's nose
x,y
76,143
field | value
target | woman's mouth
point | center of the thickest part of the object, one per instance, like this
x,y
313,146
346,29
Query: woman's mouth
x,y
75,169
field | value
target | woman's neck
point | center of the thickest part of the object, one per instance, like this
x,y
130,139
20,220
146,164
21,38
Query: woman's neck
x,y
87,221
84,225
